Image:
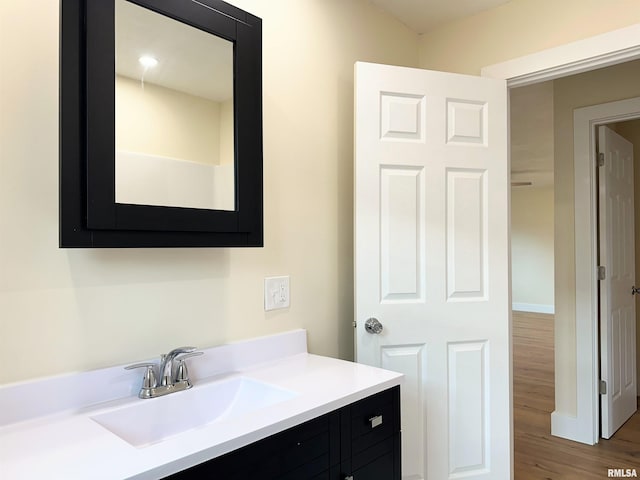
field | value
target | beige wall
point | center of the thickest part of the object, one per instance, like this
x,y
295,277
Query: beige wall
x,y
631,131
165,122
532,246
591,88
69,310
518,28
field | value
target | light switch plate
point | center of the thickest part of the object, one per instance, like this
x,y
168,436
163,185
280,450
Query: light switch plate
x,y
276,293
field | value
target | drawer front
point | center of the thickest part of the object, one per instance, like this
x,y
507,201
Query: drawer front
x,y
373,420
302,451
371,454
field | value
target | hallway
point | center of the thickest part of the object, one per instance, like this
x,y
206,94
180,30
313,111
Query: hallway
x,y
538,455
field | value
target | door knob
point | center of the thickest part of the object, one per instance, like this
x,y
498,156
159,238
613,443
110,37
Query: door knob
x,y
635,290
372,325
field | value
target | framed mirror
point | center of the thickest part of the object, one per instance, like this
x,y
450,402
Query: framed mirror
x,y
161,124
174,113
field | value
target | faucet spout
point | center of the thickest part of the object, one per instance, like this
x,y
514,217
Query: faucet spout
x,y
166,366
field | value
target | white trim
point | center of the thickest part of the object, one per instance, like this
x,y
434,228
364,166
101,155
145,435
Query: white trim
x,y
573,428
585,211
533,308
589,54
603,50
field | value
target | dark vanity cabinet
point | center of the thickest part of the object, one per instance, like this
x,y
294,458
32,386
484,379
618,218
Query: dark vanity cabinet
x,y
358,442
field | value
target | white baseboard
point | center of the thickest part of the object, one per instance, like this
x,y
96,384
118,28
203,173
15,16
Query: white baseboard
x,y
533,308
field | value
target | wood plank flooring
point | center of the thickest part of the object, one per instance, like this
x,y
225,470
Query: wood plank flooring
x,y
538,455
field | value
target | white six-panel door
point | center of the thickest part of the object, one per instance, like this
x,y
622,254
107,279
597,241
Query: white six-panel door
x,y
617,303
432,262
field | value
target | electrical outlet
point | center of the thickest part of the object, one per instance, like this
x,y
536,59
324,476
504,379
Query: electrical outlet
x,y
276,293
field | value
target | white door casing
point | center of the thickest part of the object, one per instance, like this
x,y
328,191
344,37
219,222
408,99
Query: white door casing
x,y
432,262
617,304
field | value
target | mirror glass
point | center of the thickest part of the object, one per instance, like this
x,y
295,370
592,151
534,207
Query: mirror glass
x,y
174,113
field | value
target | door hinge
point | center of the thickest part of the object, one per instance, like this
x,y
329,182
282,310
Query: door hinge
x,y
355,324
602,273
601,159
602,387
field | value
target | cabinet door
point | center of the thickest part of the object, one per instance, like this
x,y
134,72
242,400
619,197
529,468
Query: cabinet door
x,y
379,469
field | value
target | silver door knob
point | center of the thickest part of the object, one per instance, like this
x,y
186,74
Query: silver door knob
x,y
372,325
635,290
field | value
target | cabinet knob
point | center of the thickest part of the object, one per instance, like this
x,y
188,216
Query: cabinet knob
x,y
348,477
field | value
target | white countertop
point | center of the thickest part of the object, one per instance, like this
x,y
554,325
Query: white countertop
x,y
65,443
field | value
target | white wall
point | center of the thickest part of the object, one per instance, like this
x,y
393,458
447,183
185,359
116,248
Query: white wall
x,y
69,310
532,249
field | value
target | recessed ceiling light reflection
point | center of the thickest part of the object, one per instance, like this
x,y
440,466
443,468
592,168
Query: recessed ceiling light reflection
x,y
148,61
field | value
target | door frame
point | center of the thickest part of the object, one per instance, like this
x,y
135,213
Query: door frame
x,y
607,49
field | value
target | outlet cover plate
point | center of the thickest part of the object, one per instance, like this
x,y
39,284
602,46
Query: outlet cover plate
x,y
276,293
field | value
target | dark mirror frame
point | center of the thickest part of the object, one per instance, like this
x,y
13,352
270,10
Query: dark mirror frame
x,y
89,214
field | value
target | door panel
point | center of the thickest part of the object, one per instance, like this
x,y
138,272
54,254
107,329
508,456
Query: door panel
x,y
411,361
431,250
617,304
466,226
467,406
401,233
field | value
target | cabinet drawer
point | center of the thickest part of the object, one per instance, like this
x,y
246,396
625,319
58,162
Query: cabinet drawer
x,y
373,420
304,448
300,452
372,453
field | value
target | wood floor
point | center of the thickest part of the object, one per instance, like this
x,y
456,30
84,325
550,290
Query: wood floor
x,y
538,455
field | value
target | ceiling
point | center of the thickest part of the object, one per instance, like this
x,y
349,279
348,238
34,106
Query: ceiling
x,y
189,60
424,15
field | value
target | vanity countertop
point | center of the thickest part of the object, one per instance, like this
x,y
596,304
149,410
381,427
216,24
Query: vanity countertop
x,y
46,429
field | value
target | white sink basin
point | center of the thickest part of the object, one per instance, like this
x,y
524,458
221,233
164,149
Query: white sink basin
x,y
153,420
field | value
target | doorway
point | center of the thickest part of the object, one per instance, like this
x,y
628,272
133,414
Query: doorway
x,y
577,363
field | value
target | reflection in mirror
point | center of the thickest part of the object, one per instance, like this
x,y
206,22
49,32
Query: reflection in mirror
x,y
174,113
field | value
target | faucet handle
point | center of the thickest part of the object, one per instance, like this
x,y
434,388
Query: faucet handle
x,y
188,355
149,379
182,374
180,350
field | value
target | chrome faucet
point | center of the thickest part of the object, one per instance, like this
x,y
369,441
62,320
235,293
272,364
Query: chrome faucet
x,y
166,364
172,378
